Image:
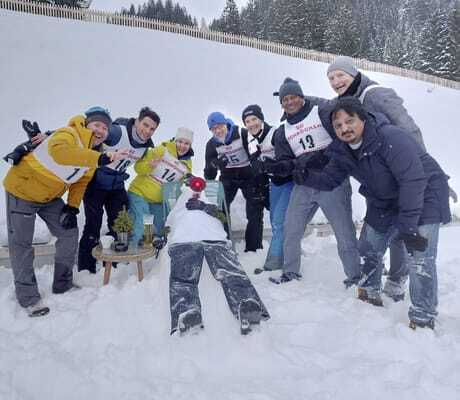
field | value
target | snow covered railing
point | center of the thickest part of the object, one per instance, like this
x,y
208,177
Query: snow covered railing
x,y
271,47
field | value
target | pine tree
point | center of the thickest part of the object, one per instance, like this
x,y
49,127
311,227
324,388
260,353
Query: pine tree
x,y
342,33
231,18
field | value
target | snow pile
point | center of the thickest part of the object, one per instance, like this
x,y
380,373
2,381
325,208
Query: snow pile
x,y
113,342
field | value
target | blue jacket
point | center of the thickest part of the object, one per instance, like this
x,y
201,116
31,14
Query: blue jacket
x,y
402,184
106,178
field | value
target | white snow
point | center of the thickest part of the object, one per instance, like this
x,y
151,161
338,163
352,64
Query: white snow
x,y
113,342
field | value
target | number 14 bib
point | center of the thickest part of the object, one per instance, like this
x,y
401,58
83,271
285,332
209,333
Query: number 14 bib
x,y
169,169
307,135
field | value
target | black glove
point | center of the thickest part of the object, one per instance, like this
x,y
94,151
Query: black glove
x,y
210,209
220,162
159,242
68,217
32,129
281,168
300,175
195,204
414,242
258,167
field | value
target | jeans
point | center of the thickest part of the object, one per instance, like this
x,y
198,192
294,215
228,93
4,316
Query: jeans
x,y
186,265
336,206
279,201
138,207
423,282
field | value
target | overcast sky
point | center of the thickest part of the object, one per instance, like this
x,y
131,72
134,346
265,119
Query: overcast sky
x,y
208,9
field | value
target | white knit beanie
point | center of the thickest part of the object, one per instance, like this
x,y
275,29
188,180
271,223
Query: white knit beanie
x,y
184,133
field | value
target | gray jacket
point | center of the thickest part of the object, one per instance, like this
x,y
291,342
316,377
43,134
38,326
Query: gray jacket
x,y
385,100
382,100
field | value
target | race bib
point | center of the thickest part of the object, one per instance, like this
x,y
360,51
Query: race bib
x,y
169,169
124,143
307,135
67,173
235,153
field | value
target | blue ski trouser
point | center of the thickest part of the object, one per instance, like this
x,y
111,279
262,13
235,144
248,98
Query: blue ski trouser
x,y
186,264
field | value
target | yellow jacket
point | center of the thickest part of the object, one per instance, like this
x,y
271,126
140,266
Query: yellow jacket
x,y
143,185
32,181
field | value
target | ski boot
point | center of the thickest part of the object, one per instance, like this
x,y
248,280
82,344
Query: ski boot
x,y
190,322
250,314
375,300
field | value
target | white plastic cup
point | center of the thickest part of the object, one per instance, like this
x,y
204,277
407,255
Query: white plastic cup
x,y
106,241
148,219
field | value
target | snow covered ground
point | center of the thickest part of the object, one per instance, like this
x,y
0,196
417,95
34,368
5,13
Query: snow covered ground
x,y
113,342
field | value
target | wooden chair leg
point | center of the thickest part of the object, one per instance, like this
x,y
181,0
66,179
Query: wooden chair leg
x,y
108,270
140,271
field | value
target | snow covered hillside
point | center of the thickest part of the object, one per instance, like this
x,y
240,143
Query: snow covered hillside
x,y
113,342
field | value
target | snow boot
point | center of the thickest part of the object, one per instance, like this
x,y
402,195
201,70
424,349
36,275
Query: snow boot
x,y
190,322
394,290
37,310
418,324
286,277
375,300
249,314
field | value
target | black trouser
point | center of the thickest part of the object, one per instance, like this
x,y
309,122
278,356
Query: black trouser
x,y
256,196
186,265
94,201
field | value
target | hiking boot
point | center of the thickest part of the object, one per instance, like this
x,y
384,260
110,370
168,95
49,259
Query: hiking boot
x,y
249,314
190,322
37,310
286,277
375,300
394,290
419,324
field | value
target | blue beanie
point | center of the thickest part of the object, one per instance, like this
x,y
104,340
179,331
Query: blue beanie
x,y
216,118
98,113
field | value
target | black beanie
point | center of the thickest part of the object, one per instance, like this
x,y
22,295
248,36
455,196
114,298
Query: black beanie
x,y
254,110
290,86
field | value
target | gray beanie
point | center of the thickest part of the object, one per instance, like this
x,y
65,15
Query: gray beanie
x,y
290,86
345,64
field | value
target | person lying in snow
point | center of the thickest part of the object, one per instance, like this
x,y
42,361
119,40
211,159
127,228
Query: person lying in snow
x,y
197,232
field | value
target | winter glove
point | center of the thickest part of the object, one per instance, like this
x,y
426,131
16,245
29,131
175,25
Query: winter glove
x,y
68,217
414,242
258,167
280,168
220,162
32,129
300,175
210,209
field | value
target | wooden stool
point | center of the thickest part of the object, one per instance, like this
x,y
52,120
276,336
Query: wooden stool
x,y
108,256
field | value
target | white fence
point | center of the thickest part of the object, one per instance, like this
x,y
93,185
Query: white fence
x,y
271,47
